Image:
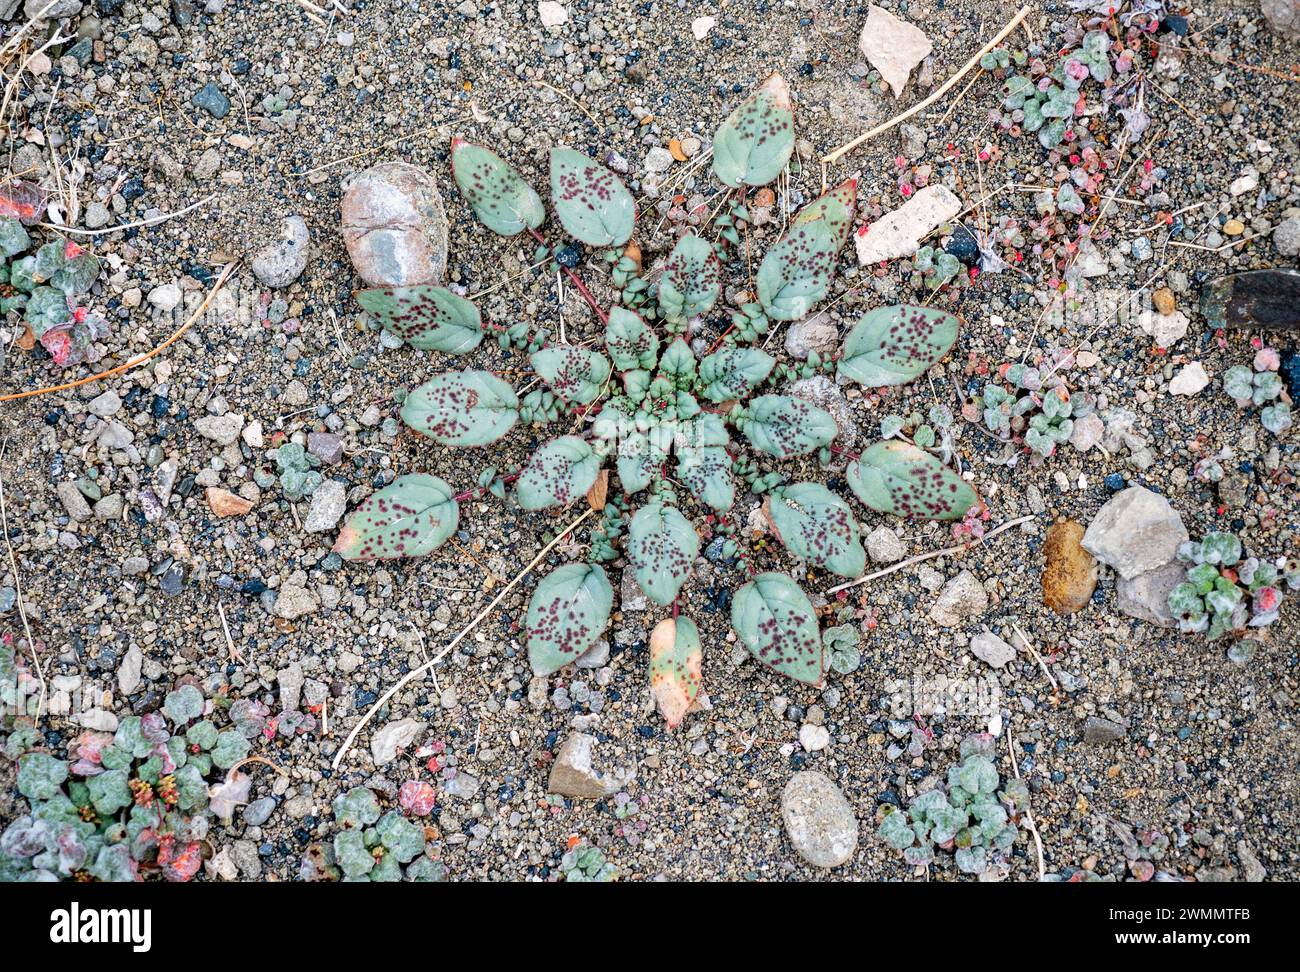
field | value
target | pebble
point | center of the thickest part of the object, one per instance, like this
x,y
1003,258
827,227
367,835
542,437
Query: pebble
x,y
105,405
814,738
1164,301
394,225
552,14
165,296
992,650
883,546
221,429
1164,329
817,333
1069,571
819,820
328,503
1146,596
1136,531
1099,731
962,598
212,100
222,502
574,775
295,601
281,262
400,734
73,501
259,811
1234,227
1286,237
1190,379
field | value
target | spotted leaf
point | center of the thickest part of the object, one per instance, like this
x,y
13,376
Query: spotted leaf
x,y
775,621
574,374
558,473
430,318
641,456
501,199
412,516
796,272
733,373
895,345
566,616
692,279
817,526
783,426
630,341
676,659
661,547
835,207
754,144
897,477
462,408
593,204
703,464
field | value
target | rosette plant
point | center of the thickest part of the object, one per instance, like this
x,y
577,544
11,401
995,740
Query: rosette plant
x,y
683,426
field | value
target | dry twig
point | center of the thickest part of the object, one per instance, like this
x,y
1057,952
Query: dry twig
x,y
18,588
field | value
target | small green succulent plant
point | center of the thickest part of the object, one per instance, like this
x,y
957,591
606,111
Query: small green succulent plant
x,y
1261,386
371,844
1039,412
1226,592
586,862
665,413
970,816
1046,101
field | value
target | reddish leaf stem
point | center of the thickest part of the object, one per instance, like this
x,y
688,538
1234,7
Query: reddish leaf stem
x,y
577,282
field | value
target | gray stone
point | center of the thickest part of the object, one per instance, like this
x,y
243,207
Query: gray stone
x,y
1135,532
817,333
212,100
259,811
962,598
1254,870
395,226
57,10
633,599
400,734
165,296
105,405
281,262
597,656
129,671
1283,17
327,506
819,820
221,429
991,649
883,546
73,501
1100,731
463,786
294,602
325,446
1286,237
110,507
290,680
574,775
1146,596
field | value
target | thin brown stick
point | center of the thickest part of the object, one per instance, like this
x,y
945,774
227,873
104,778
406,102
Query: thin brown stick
x,y
18,588
1037,657
151,221
134,361
417,672
998,38
1029,817
235,656
956,548
550,87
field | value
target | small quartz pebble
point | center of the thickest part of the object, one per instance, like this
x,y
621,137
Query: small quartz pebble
x,y
552,14
1190,380
1164,300
222,502
819,820
814,738
701,26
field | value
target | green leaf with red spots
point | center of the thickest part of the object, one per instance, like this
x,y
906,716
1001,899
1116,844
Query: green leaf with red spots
x,y
733,373
630,341
428,317
501,199
783,426
899,478
692,279
558,473
703,464
775,621
817,526
754,144
835,207
410,517
567,615
896,345
676,660
797,271
641,456
592,203
462,408
661,547
576,375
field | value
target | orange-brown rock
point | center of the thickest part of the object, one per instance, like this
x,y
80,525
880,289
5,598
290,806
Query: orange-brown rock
x,y
1069,571
225,503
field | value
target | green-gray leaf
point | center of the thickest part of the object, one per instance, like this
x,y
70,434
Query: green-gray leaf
x,y
775,621
783,426
835,207
817,526
895,345
430,318
661,547
574,374
796,272
630,341
566,616
462,408
703,463
501,199
755,142
558,473
897,477
692,279
592,203
410,517
733,373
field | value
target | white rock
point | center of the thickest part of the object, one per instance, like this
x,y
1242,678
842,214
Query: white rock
x,y
252,435
552,14
401,734
962,597
105,405
883,546
128,672
221,429
701,26
165,296
574,775
893,47
1190,380
1244,183
898,233
327,505
817,333
819,820
1135,532
1164,329
814,738
991,649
